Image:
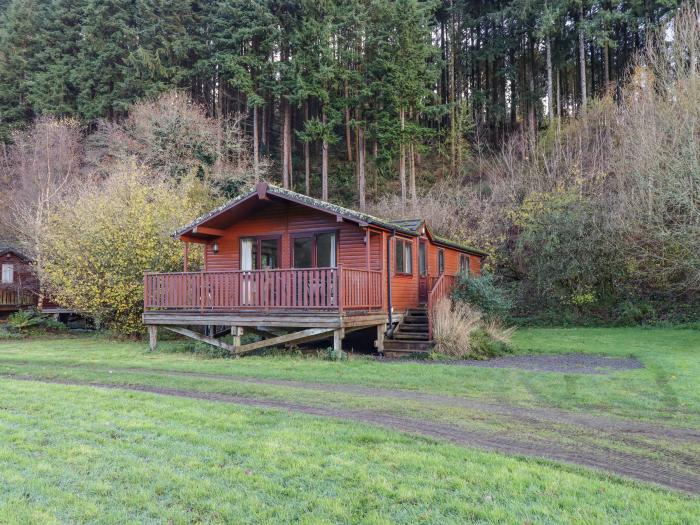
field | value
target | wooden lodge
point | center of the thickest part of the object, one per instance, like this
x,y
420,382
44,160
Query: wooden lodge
x,y
299,269
19,287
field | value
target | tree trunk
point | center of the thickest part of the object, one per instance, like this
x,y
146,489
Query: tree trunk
x,y
263,119
348,131
324,159
513,93
532,114
402,157
550,88
283,156
582,57
453,109
361,182
307,156
412,176
558,94
256,147
290,141
606,66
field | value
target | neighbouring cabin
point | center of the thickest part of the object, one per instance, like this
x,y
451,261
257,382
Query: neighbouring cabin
x,y
275,259
19,287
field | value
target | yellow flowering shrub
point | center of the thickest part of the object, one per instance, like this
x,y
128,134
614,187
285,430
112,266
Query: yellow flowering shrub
x,y
96,245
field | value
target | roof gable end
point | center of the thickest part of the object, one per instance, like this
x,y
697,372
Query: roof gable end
x,y
264,191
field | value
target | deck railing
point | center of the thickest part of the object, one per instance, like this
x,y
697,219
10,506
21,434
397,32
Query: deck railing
x,y
441,288
16,297
323,289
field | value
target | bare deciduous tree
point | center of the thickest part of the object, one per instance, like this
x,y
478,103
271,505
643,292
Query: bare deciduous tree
x,y
42,164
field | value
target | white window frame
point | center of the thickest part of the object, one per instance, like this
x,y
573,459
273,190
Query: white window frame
x,y
466,269
8,269
406,247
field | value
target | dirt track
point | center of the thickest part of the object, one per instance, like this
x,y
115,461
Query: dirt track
x,y
563,363
605,424
683,473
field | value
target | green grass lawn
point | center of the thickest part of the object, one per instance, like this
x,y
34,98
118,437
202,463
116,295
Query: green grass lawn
x,y
666,389
79,454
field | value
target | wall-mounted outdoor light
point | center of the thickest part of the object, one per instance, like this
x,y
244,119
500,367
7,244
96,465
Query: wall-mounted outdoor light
x,y
215,247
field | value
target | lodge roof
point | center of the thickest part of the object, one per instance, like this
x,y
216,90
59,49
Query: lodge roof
x,y
13,247
411,224
406,227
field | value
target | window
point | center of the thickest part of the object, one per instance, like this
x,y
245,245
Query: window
x,y
303,252
268,253
464,266
259,253
441,262
325,250
315,250
8,273
404,256
422,260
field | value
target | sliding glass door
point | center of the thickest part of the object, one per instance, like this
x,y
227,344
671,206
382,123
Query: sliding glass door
x,y
259,253
314,250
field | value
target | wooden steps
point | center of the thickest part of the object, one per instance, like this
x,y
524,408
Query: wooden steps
x,y
411,336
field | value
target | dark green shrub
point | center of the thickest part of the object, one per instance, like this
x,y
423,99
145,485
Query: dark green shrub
x,y
32,322
6,334
484,346
207,350
564,259
333,355
483,293
631,313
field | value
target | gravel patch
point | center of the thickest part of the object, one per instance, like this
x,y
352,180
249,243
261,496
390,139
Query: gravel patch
x,y
563,363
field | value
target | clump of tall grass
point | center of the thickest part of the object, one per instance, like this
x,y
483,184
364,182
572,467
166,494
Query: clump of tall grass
x,y
461,331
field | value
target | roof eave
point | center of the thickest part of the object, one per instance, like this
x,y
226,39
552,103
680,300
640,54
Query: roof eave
x,y
467,249
17,253
262,190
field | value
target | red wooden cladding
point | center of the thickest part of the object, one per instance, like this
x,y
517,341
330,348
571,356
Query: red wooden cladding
x,y
24,288
441,288
278,289
16,298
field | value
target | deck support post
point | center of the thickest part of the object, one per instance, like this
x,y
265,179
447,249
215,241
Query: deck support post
x,y
379,342
152,337
338,336
236,332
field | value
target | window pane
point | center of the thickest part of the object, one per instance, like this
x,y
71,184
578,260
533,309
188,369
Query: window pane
x,y
399,256
268,253
441,261
421,259
409,257
8,271
325,250
464,263
302,252
248,254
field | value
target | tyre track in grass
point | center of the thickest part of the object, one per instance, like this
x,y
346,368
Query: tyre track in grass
x,y
656,471
515,412
521,413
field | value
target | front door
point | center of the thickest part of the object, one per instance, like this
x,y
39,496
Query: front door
x,y
422,272
257,254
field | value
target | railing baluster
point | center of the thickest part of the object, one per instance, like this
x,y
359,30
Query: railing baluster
x,y
307,288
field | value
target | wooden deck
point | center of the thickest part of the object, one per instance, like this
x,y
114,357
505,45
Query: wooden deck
x,y
284,290
317,302
13,299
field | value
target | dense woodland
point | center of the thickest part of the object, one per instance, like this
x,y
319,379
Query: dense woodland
x,y
561,135
345,96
